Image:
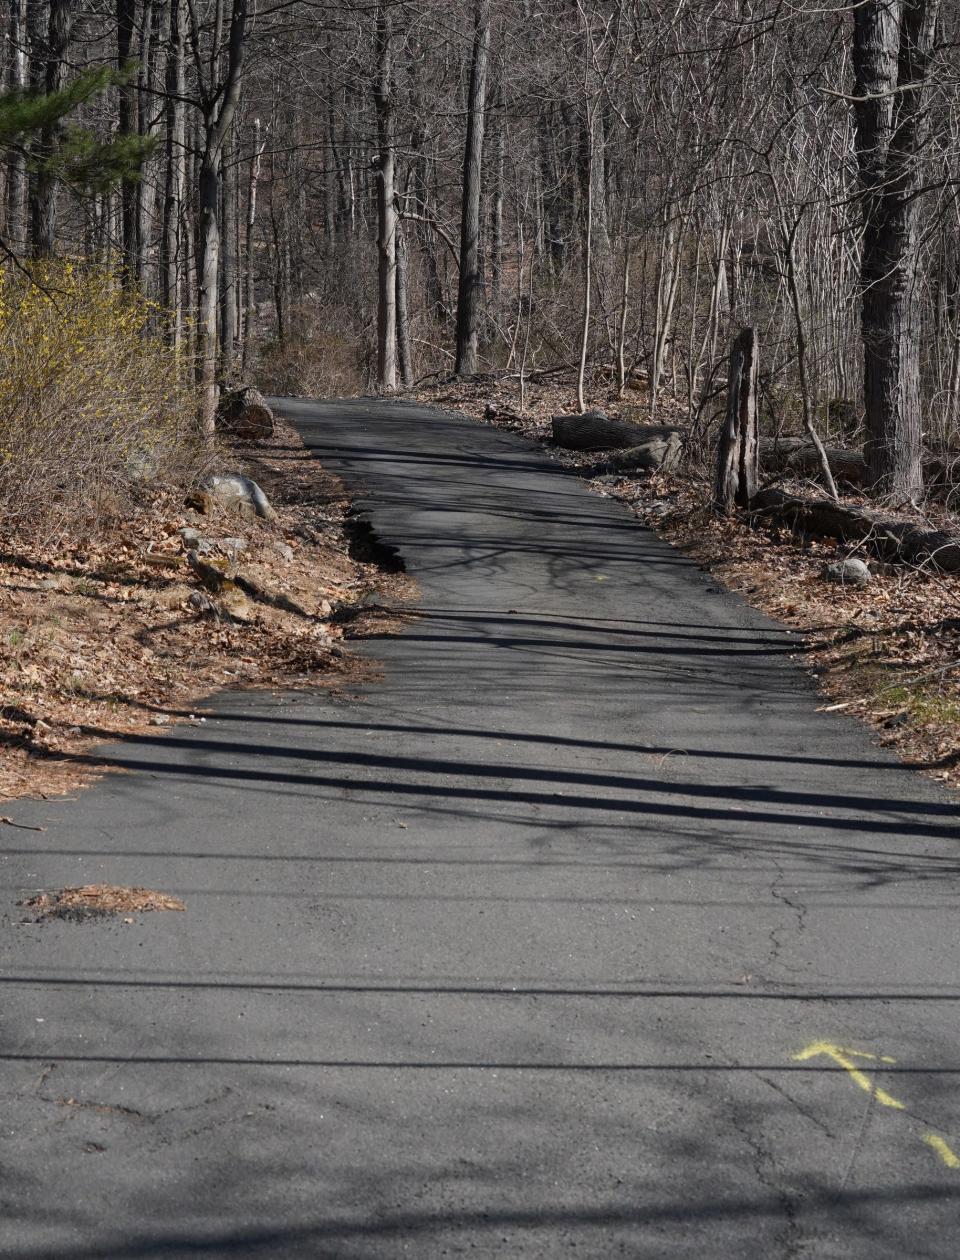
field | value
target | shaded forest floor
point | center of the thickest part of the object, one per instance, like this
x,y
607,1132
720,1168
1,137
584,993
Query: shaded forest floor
x,y
888,652
115,633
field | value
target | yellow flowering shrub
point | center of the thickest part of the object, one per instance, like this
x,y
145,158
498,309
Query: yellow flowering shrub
x,y
94,404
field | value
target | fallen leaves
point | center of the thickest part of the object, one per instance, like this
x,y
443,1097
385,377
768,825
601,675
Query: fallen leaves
x,y
104,638
92,900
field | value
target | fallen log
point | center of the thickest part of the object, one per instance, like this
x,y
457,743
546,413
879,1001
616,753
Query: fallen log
x,y
658,452
799,455
897,541
244,413
593,431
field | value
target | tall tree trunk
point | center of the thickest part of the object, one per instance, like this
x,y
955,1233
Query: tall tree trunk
x,y
228,279
250,292
155,51
892,47
470,288
49,43
219,110
386,209
173,242
587,260
16,225
496,214
127,123
404,345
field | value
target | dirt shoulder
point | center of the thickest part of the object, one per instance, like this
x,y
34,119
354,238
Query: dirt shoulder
x,y
888,652
118,633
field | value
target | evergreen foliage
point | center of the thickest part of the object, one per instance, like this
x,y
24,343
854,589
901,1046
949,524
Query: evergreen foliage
x,y
76,155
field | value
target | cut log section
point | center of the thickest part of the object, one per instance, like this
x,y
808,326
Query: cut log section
x,y
799,455
244,413
658,452
593,431
897,541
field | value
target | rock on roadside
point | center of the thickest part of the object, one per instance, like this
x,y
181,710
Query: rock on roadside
x,y
237,494
848,572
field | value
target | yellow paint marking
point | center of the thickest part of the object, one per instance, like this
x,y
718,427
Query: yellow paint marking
x,y
943,1150
844,1058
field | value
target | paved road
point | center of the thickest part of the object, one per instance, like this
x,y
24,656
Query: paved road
x,y
514,955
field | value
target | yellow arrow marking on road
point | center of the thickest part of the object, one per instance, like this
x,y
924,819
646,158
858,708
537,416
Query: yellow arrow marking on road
x,y
845,1058
943,1150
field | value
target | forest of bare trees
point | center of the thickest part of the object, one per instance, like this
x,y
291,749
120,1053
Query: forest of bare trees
x,y
342,197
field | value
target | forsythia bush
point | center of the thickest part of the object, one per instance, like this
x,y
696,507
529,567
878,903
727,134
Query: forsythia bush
x,y
93,404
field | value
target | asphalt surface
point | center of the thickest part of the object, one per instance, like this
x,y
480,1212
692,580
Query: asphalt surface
x,y
512,955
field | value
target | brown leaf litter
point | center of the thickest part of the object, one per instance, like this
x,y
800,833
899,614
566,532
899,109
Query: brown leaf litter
x,y
96,901
107,635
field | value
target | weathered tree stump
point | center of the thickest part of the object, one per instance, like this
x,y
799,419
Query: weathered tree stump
x,y
244,413
736,481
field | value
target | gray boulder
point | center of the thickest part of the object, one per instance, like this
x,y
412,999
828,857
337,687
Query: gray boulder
x,y
238,494
848,572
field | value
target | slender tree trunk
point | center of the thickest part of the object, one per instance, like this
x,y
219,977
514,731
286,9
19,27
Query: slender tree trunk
x,y
789,237
496,225
330,182
16,225
470,287
155,53
587,260
219,110
48,74
173,239
127,123
228,279
386,209
250,294
624,312
404,344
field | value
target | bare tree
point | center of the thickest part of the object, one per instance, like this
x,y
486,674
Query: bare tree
x,y
386,207
470,287
892,50
219,92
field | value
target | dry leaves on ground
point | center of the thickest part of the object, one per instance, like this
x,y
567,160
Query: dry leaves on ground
x,y
91,900
107,636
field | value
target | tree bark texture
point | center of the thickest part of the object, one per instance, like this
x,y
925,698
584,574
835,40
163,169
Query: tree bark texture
x,y
736,480
892,48
470,284
173,241
220,105
404,343
16,225
386,209
50,40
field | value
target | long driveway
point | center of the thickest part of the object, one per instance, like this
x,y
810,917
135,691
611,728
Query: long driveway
x,y
581,932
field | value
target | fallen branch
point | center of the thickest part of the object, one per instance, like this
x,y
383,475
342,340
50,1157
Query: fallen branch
x,y
22,826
